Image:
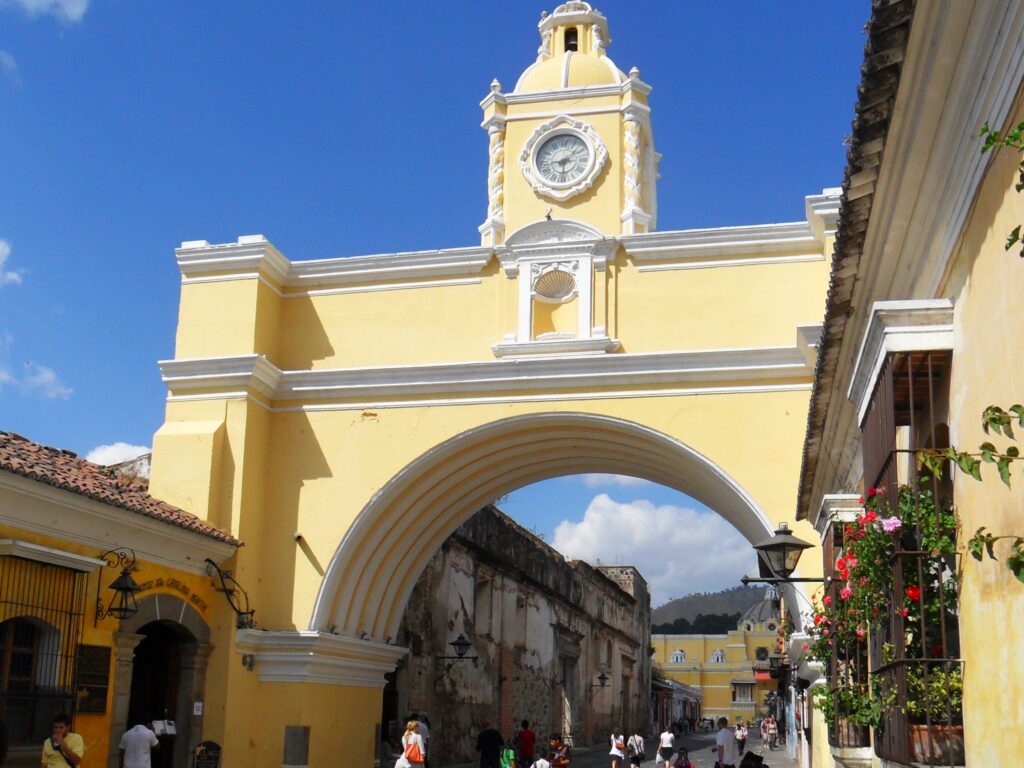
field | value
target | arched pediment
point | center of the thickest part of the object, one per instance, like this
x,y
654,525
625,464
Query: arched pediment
x,y
556,231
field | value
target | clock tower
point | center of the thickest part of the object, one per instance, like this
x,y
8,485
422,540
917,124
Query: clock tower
x,y
573,140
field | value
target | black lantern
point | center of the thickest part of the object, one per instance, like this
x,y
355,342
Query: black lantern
x,y
461,646
602,681
123,604
782,551
775,663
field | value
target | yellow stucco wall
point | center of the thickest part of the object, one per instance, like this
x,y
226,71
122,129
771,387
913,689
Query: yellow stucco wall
x,y
987,283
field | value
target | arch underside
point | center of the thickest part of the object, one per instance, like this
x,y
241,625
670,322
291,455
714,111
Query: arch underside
x,y
373,572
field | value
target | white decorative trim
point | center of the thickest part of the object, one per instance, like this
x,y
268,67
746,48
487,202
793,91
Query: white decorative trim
x,y
576,92
823,212
837,507
375,288
255,373
687,249
808,337
44,509
563,124
244,260
918,325
319,657
40,554
556,347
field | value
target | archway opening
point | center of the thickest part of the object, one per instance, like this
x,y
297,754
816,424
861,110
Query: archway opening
x,y
156,689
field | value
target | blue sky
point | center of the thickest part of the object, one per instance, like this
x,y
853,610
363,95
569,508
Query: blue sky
x,y
336,129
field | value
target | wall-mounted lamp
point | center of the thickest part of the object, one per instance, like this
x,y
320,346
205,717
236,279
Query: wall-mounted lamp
x,y
123,604
602,682
229,586
780,554
461,646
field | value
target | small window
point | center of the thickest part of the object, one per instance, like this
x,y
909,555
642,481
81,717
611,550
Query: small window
x,y
572,39
772,626
718,656
678,656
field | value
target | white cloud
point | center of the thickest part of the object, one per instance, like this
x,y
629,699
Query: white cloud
x,y
7,276
68,11
598,480
678,550
39,379
9,68
115,453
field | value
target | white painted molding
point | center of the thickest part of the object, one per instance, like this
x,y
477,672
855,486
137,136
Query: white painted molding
x,y
823,212
725,246
319,657
836,507
40,508
917,325
807,339
250,253
254,373
40,554
595,346
577,92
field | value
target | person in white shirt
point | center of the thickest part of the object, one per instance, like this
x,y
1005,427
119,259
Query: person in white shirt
x,y
618,751
541,762
667,747
635,745
136,744
726,742
412,738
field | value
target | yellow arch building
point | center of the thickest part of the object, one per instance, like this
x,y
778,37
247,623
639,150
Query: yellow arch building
x,y
343,416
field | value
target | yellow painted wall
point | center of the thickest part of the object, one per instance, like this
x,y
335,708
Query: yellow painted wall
x,y
987,284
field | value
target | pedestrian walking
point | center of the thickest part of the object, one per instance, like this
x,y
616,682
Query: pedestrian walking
x,y
526,741
618,751
414,751
509,759
489,744
773,732
424,732
741,737
560,755
726,743
635,747
63,748
764,733
683,761
666,746
137,744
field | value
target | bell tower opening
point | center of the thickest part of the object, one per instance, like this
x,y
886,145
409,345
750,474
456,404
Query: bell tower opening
x,y
572,39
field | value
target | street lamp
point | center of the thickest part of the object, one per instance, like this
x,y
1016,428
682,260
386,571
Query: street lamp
x,y
461,646
601,684
123,604
780,554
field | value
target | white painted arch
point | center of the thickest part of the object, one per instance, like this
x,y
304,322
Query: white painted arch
x,y
372,573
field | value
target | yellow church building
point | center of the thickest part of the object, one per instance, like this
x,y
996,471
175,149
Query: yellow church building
x,y
731,671
343,416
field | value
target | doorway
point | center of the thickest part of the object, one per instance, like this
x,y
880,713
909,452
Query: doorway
x,y
156,686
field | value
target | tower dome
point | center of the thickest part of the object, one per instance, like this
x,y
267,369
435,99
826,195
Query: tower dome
x,y
572,52
763,612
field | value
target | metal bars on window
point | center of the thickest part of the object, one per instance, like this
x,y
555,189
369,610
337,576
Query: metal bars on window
x,y
916,670
42,609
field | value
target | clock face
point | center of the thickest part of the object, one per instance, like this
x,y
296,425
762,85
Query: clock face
x,y
563,159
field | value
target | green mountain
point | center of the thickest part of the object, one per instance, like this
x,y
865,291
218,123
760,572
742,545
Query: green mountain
x,y
729,602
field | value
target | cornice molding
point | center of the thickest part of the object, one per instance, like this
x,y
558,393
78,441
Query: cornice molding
x,y
836,507
318,657
574,346
40,554
726,246
85,521
579,92
897,326
239,374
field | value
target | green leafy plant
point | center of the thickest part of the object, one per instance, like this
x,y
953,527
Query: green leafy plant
x,y
1014,139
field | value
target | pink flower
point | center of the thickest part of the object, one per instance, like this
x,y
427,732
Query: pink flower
x,y
860,633
846,593
825,631
891,524
827,599
805,647
851,561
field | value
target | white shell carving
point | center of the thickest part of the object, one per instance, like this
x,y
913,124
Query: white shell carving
x,y
561,125
555,285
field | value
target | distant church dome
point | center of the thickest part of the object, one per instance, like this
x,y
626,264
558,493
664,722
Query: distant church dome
x,y
572,52
764,612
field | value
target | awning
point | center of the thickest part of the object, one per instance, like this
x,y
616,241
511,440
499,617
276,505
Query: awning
x,y
762,676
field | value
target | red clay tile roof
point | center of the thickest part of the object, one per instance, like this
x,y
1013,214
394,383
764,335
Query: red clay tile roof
x,y
63,469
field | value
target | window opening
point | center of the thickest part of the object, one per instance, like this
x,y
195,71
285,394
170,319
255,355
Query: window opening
x,y
572,42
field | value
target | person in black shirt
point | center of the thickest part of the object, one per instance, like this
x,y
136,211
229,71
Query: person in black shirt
x,y
489,744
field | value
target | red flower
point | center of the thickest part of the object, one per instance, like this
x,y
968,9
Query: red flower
x,y
904,612
860,632
844,575
870,516
872,491
827,599
914,592
936,651
841,564
861,500
846,593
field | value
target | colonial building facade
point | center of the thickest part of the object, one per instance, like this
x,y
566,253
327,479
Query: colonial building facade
x,y
560,643
730,671
344,416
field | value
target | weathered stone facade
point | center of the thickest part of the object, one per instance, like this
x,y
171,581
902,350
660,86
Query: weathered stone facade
x,y
543,629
